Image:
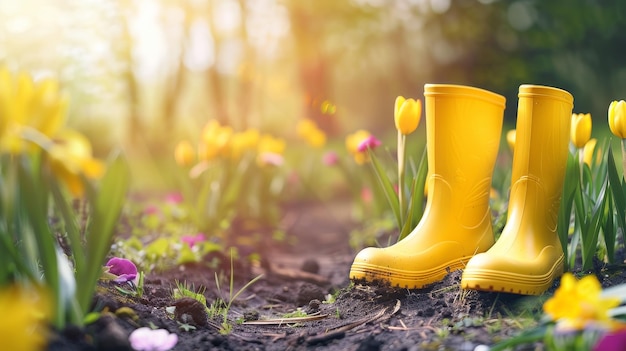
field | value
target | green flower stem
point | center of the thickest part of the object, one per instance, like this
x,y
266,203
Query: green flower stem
x,y
401,173
624,156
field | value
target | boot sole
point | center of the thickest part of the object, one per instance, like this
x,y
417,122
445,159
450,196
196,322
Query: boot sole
x,y
407,279
507,282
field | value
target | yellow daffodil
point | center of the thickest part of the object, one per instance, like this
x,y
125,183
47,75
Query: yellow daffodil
x,y
308,130
407,114
25,312
617,118
588,150
580,129
70,157
184,154
510,139
577,303
25,104
353,141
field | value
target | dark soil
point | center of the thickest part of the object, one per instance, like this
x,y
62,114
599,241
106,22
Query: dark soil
x,y
300,276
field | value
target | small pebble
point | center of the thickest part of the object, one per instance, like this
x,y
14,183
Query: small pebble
x,y
481,348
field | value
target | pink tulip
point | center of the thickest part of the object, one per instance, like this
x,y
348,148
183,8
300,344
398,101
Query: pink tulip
x,y
368,143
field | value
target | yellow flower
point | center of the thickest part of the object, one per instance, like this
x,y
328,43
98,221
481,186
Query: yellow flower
x,y
184,154
352,145
71,157
271,144
270,150
617,118
308,130
580,129
407,114
577,303
510,139
27,104
215,141
588,150
23,326
244,142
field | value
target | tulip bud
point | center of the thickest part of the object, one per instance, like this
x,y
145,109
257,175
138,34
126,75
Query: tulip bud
x,y
580,129
617,118
407,114
588,150
184,153
510,139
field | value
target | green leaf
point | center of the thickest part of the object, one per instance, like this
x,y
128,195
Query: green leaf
x,y
387,187
570,186
590,235
615,183
106,206
608,229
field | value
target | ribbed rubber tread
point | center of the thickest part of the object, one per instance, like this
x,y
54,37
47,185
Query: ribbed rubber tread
x,y
361,271
507,282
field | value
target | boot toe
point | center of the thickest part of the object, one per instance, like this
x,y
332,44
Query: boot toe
x,y
412,270
512,273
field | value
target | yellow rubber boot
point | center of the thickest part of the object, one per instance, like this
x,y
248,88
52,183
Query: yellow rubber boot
x,y
463,127
528,256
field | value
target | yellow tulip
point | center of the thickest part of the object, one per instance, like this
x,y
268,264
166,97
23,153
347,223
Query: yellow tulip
x,y
184,153
617,118
580,129
215,141
270,144
23,326
510,139
588,150
244,142
407,114
308,130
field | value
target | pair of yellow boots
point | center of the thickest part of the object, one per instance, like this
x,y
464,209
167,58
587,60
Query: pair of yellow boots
x,y
464,125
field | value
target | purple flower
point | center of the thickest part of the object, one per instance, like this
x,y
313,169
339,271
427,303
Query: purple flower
x,y
146,339
368,143
124,269
613,341
191,240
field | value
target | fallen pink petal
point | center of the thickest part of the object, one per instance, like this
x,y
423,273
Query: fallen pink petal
x,y
146,339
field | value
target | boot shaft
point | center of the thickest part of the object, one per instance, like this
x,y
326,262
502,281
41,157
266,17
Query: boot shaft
x,y
463,129
540,156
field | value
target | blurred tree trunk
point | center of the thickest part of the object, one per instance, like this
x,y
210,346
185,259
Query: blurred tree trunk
x,y
217,89
313,64
246,72
134,126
